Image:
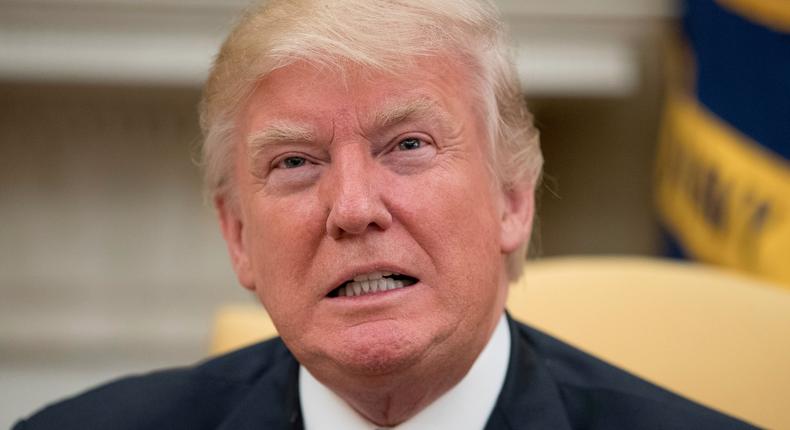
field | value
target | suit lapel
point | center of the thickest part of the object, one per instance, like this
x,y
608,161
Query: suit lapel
x,y
530,399
272,402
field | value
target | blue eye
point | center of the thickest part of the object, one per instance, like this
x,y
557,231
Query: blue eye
x,y
410,144
293,162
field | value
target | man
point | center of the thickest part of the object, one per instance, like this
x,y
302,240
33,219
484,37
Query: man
x,y
374,167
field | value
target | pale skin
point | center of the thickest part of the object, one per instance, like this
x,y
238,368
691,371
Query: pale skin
x,y
336,178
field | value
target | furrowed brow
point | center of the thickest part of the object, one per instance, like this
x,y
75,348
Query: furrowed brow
x,y
401,112
279,133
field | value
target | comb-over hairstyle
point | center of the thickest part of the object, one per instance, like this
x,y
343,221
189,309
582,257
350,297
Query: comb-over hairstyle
x,y
382,35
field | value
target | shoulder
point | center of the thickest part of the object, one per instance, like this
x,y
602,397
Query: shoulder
x,y
194,397
599,395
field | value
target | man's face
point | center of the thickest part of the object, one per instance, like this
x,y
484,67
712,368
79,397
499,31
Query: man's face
x,y
369,175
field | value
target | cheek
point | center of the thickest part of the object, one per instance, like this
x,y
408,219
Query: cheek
x,y
454,216
455,221
281,240
284,227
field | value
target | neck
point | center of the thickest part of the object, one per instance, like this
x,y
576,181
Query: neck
x,y
393,398
391,401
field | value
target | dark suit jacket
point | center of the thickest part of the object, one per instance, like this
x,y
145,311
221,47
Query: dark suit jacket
x,y
549,385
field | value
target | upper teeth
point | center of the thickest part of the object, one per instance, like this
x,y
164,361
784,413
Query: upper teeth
x,y
371,276
369,283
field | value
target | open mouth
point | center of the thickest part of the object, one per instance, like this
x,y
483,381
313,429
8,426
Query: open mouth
x,y
370,283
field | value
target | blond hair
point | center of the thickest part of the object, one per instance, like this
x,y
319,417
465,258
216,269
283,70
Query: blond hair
x,y
380,35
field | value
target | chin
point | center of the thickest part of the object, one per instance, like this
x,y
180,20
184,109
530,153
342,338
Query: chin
x,y
378,349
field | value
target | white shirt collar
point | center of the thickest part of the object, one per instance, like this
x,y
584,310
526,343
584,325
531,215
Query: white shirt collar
x,y
466,406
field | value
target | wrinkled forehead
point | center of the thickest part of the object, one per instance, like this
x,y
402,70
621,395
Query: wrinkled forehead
x,y
458,65
290,99
451,73
352,71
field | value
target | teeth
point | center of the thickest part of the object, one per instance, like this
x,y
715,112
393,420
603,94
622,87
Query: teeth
x,y
371,276
360,288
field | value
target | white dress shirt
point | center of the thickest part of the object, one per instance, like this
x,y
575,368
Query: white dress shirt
x,y
466,406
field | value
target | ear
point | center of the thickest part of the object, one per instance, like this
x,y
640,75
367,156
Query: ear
x,y
517,212
232,226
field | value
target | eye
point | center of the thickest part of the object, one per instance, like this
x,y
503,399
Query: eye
x,y
410,144
292,162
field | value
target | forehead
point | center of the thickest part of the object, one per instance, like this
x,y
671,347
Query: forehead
x,y
436,87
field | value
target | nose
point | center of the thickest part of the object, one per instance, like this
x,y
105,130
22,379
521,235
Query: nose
x,y
353,193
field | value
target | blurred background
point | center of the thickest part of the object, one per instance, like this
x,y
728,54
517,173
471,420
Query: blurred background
x,y
110,262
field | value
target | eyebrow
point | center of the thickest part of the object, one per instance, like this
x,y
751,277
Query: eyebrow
x,y
279,132
390,115
403,111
